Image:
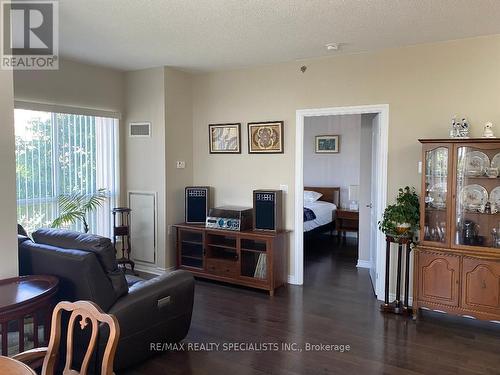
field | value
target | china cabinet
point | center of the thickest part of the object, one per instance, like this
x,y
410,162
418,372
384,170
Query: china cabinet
x,y
457,262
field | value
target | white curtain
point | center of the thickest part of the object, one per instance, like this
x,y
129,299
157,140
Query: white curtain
x,y
106,171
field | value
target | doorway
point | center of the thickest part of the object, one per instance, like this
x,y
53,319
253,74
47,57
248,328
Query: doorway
x,y
370,208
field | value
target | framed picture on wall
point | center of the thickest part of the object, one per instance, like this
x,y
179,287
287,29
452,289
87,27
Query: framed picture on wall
x,y
224,138
265,137
327,144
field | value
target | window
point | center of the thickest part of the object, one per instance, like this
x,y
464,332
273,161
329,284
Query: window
x,y
60,154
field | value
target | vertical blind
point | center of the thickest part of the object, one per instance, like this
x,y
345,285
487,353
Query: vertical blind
x,y
61,154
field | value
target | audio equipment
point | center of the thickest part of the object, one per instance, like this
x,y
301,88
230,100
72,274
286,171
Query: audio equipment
x,y
197,203
230,218
268,214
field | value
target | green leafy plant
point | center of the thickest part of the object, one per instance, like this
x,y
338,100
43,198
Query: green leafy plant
x,y
75,207
406,210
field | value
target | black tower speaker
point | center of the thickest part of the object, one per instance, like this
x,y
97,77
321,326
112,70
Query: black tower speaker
x,y
197,204
267,205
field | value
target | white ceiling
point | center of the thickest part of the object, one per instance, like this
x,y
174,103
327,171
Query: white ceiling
x,y
217,34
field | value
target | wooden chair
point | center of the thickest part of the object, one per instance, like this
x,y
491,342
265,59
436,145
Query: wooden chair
x,y
89,313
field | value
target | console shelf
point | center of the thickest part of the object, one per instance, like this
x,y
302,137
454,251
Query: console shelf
x,y
251,258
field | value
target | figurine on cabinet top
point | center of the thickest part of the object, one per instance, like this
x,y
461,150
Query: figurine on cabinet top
x,y
459,129
488,130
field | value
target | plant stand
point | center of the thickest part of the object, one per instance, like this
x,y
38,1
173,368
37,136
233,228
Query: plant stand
x,y
123,230
397,306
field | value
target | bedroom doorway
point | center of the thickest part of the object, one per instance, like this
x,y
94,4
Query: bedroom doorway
x,y
353,181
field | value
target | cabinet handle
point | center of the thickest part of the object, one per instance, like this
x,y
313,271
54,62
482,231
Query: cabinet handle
x,y
483,284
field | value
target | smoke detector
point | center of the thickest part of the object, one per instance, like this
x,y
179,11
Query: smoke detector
x,y
332,46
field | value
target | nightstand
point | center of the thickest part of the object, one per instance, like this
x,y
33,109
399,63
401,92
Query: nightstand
x,y
347,221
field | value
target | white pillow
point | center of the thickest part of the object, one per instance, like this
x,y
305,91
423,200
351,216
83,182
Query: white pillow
x,y
311,196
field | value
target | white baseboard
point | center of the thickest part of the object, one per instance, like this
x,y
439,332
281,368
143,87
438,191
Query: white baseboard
x,y
364,264
292,280
153,269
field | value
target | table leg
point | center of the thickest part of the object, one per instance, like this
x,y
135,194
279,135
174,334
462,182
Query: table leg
x,y
398,280
387,266
36,342
21,334
5,337
46,326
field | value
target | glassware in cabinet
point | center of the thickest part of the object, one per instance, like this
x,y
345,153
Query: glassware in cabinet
x,y
434,224
477,203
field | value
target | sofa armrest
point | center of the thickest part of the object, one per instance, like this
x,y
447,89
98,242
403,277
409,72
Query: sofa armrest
x,y
154,301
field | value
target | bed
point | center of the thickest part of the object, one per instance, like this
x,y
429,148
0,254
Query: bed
x,y
323,210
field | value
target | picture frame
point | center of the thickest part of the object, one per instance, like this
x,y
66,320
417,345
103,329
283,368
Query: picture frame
x,y
265,137
224,138
327,144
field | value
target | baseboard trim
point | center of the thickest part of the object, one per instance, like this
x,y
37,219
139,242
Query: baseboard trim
x,y
364,264
292,280
153,269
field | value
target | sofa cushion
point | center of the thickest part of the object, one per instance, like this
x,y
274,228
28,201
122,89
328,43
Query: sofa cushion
x,y
21,239
100,246
132,280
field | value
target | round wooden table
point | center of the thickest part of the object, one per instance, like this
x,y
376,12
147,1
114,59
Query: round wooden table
x,y
12,367
26,296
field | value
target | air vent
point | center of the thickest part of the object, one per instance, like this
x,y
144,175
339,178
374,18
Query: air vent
x,y
140,129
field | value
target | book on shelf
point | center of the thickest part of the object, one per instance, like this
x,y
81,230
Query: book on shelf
x,y
261,267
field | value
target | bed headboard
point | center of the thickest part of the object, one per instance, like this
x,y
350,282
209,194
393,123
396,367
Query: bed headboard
x,y
330,194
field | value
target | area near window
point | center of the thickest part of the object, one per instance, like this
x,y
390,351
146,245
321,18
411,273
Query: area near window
x,y
61,154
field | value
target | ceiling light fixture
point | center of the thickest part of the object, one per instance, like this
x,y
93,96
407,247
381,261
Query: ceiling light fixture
x,y
332,46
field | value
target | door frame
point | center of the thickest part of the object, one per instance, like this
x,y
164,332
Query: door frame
x,y
381,184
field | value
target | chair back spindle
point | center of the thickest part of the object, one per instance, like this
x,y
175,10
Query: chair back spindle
x,y
90,316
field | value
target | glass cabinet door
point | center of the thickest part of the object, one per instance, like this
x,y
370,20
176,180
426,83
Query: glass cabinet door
x,y
477,211
434,225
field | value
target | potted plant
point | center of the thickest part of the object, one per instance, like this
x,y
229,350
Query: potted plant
x,y
75,207
403,217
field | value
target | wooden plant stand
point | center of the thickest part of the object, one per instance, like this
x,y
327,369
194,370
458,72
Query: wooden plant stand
x,y
397,306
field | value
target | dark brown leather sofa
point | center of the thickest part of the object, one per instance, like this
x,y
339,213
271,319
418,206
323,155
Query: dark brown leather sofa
x,y
149,311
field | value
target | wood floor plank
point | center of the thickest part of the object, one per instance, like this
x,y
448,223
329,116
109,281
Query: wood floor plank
x,y
335,305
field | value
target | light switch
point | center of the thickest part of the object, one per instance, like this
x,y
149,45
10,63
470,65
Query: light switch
x,y
284,188
419,167
181,164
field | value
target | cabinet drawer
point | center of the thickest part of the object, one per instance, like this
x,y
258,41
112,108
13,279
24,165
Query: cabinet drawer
x,y
222,267
348,215
481,285
438,278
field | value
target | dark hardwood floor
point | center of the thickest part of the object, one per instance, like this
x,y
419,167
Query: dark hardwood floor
x,y
336,305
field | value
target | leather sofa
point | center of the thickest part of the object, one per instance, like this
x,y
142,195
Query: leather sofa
x,y
149,311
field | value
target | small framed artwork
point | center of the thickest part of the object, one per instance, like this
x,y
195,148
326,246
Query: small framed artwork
x,y
327,144
224,138
265,137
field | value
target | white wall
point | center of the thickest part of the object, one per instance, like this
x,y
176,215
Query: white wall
x,y
74,84
341,169
145,157
179,146
8,248
424,86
